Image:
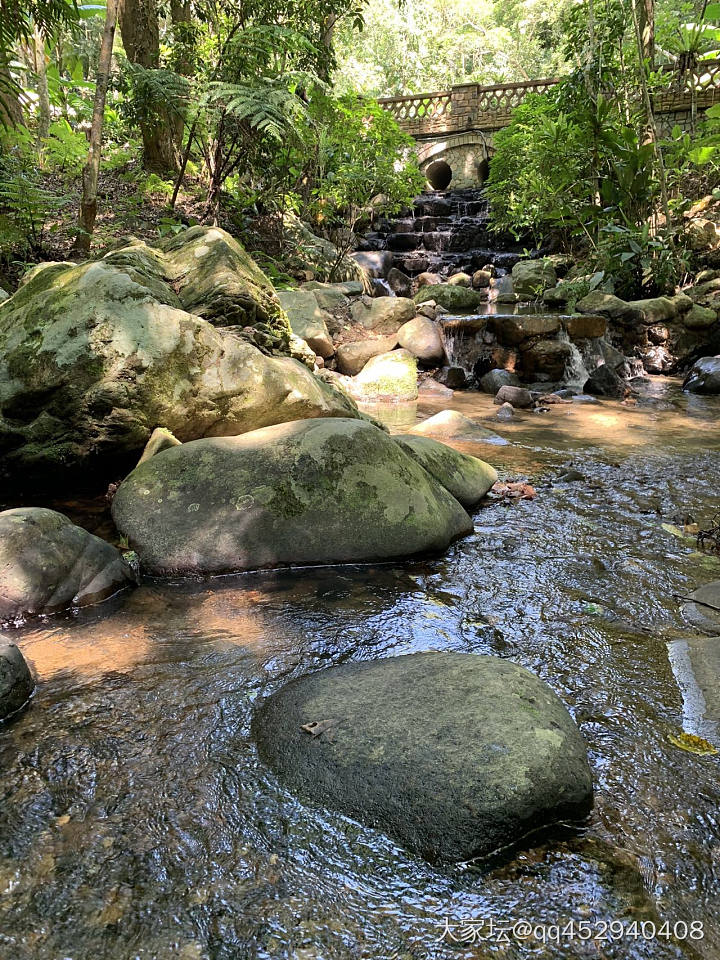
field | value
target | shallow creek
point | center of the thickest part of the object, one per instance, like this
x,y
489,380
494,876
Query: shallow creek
x,y
137,822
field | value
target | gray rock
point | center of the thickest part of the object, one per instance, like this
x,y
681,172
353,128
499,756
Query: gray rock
x,y
704,376
16,682
495,379
377,263
532,277
455,755
427,309
505,412
320,491
703,609
383,314
93,357
517,396
48,564
352,357
399,282
467,478
308,320
422,338
452,297
604,382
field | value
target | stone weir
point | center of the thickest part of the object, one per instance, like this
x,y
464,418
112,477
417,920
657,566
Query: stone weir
x,y
445,232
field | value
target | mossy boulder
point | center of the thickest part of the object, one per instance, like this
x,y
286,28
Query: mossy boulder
x,y
532,277
467,478
47,563
320,491
454,755
454,298
94,356
387,376
514,328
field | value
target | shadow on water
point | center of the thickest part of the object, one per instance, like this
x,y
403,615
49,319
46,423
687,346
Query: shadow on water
x,y
136,820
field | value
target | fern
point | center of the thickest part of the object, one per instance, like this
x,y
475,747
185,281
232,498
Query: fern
x,y
265,106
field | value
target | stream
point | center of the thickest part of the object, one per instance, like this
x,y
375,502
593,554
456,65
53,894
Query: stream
x,y
137,823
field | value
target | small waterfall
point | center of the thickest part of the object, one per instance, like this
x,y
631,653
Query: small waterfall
x,y
576,374
463,340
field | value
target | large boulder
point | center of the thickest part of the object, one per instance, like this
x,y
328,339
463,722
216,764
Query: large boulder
x,y
16,682
352,357
48,564
215,278
452,297
532,277
605,382
452,425
307,320
495,379
704,376
467,478
700,318
454,755
421,336
609,306
383,314
387,376
585,326
320,491
93,357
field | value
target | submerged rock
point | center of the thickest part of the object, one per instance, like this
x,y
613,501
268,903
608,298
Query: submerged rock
x,y
48,564
451,425
16,682
455,755
704,376
320,491
467,478
517,396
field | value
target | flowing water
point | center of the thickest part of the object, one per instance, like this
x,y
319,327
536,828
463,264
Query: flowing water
x,y
137,822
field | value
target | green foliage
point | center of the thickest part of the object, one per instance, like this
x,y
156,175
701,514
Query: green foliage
x,y
638,262
26,205
66,149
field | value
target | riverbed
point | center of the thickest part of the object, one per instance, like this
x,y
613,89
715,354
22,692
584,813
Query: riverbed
x,y
136,820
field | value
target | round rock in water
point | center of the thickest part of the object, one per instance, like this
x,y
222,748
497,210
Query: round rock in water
x,y
16,682
703,608
454,755
308,492
47,564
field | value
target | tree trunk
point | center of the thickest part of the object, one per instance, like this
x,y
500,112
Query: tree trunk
x,y
11,114
183,36
88,204
43,115
646,20
141,39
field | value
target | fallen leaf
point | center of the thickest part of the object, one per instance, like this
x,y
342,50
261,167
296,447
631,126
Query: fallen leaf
x,y
692,744
316,727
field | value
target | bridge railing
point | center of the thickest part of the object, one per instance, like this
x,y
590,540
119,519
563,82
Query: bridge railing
x,y
473,106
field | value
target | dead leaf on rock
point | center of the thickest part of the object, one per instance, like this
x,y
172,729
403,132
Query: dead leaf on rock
x,y
316,727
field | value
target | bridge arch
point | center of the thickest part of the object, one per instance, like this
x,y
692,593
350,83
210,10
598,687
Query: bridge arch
x,y
456,161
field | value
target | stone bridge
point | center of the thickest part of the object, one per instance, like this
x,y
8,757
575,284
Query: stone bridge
x,y
454,128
